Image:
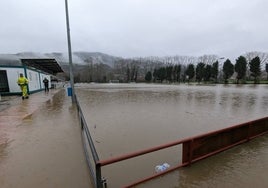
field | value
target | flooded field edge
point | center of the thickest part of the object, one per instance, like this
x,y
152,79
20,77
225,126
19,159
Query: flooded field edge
x,y
127,118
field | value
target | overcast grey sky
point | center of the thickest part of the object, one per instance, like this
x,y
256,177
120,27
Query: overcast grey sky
x,y
131,28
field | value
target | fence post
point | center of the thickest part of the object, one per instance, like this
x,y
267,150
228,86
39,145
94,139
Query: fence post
x,y
191,151
98,176
187,152
249,132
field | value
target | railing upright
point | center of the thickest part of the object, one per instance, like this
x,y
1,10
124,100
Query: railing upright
x,y
97,177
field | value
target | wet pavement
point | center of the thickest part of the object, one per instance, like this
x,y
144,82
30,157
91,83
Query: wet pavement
x,y
40,142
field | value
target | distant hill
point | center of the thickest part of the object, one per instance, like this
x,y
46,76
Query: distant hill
x,y
82,58
97,57
9,59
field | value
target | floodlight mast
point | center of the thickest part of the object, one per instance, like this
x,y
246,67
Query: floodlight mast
x,y
70,51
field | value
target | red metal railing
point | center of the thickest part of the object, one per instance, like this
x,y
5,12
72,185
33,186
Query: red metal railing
x,y
199,147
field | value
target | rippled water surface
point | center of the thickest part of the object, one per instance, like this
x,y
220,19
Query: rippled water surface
x,y
128,117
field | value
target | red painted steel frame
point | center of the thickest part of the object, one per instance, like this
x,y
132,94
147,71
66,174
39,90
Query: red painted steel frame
x,y
202,146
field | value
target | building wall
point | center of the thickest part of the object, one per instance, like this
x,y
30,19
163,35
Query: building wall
x,y
35,78
12,76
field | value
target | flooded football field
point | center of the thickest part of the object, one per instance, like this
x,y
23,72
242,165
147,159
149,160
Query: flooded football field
x,y
125,118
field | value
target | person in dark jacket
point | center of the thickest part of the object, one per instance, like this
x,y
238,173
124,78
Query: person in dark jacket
x,y
45,81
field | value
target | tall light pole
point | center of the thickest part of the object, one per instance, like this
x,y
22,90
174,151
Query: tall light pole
x,y
70,51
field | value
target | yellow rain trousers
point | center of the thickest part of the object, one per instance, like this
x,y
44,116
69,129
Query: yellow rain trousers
x,y
23,82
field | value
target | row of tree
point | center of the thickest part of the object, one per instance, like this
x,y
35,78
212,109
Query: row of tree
x,y
205,68
208,72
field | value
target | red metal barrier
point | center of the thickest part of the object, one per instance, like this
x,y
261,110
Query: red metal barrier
x,y
205,145
202,146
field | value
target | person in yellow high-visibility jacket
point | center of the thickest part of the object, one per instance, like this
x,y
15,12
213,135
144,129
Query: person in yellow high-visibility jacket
x,y
23,82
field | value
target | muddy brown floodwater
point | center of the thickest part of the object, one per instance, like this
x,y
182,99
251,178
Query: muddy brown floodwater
x,y
129,117
43,150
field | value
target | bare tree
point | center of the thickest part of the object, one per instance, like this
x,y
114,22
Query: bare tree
x,y
208,59
262,55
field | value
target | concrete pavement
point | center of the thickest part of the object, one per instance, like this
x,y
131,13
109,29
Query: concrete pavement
x,y
40,143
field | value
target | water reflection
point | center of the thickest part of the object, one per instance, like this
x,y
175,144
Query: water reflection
x,y
128,117
46,150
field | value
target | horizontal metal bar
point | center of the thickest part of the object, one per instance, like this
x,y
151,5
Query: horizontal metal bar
x,y
142,152
138,153
229,128
89,138
218,151
91,145
185,164
90,166
259,135
155,176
